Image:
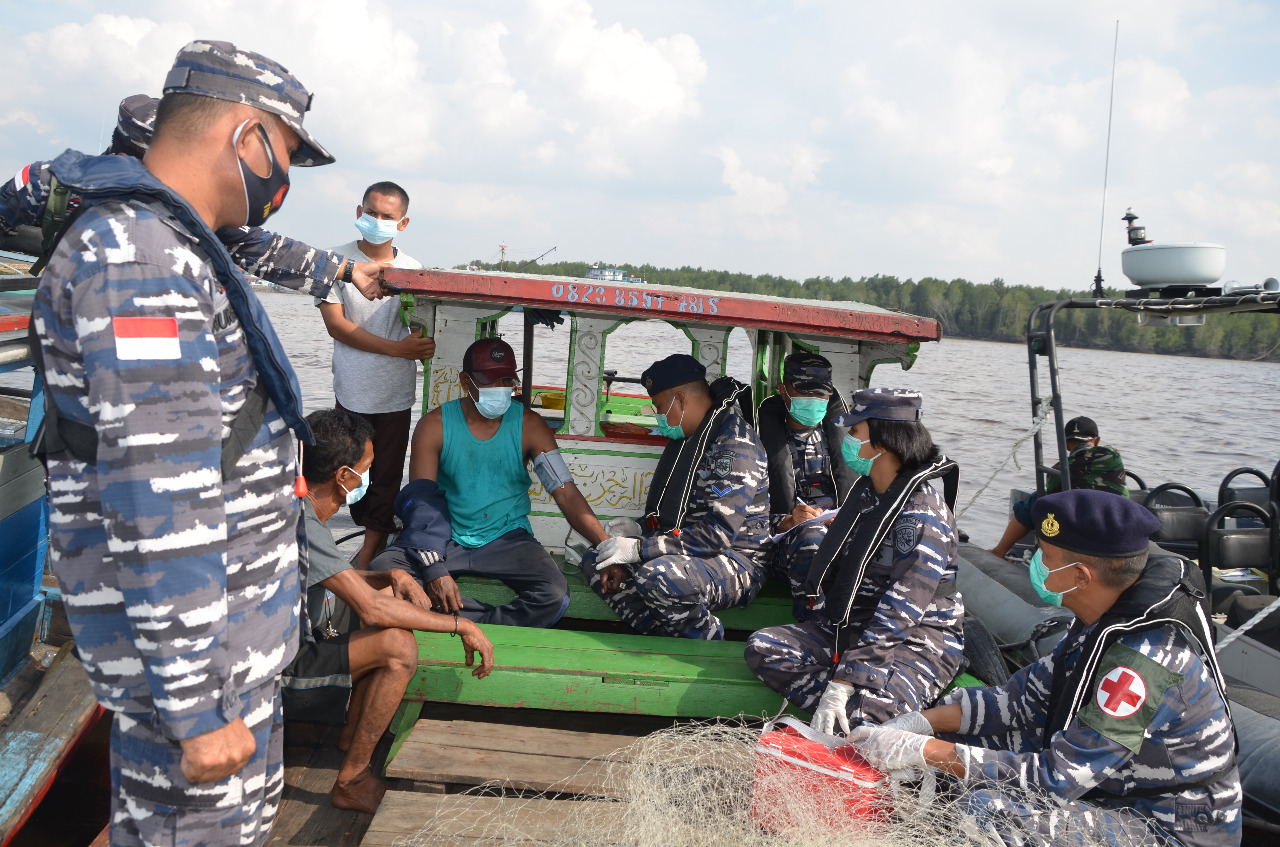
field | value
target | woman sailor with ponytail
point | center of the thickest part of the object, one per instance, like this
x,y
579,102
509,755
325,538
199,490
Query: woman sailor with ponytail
x,y
890,636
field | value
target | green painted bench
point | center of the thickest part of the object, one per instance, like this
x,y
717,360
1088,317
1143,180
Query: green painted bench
x,y
564,670
771,607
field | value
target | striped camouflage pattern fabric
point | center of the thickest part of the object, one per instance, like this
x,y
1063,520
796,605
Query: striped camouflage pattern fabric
x,y
905,644
220,70
264,254
148,786
719,558
182,589
1189,735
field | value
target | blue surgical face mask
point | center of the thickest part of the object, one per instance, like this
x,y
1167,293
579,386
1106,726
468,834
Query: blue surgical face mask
x,y
493,402
375,230
354,495
1039,573
849,449
668,430
808,411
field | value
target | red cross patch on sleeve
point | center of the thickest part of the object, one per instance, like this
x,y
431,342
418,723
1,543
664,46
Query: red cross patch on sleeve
x,y
1126,691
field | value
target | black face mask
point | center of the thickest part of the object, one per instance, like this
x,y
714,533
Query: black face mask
x,y
264,195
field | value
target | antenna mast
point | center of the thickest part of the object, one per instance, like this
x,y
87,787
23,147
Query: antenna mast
x,y
1106,168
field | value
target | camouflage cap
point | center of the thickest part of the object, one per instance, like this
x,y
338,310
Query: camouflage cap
x,y
885,404
807,372
135,125
219,69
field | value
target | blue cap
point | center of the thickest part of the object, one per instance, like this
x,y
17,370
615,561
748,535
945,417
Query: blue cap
x,y
220,70
1095,523
677,369
885,404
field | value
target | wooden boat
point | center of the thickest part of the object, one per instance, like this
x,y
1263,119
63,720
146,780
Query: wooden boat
x,y
44,725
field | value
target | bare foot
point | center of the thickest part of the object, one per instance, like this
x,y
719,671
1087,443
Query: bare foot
x,y
361,794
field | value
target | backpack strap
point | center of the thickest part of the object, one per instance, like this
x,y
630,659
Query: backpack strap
x,y
53,224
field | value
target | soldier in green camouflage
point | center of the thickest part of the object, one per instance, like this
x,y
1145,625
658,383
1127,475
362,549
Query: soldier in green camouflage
x,y
1091,466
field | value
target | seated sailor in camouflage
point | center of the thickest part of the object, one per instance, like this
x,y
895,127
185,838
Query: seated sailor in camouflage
x,y
174,527
1091,466
891,636
1123,732
24,201
702,546
806,474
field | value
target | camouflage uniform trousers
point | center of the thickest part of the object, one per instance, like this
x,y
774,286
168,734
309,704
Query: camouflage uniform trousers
x,y
676,595
796,660
154,805
1009,816
792,557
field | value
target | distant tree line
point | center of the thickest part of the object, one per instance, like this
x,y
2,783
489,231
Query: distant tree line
x,y
991,311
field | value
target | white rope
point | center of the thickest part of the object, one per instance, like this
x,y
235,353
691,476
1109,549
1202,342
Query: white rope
x,y
1045,410
1249,624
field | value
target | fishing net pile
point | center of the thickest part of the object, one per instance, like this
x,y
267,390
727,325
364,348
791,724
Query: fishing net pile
x,y
705,784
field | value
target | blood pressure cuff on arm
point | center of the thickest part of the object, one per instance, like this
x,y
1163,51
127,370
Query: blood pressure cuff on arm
x,y
422,508
551,470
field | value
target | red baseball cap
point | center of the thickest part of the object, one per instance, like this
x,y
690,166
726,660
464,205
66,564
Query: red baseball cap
x,y
489,360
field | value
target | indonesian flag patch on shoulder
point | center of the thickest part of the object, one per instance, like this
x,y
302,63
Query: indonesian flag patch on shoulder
x,y
1125,693
146,338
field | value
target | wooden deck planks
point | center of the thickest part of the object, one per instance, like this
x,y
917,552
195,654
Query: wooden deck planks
x,y
38,737
463,820
523,758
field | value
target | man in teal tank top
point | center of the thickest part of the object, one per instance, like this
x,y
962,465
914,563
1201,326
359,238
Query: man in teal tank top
x,y
476,449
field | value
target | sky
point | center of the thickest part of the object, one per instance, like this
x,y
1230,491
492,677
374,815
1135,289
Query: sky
x,y
796,137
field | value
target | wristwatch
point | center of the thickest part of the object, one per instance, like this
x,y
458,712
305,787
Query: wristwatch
x,y
346,272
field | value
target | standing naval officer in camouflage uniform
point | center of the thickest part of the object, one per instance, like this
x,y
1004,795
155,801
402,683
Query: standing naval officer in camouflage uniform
x,y
175,527
702,546
1123,732
1090,465
275,258
806,474
891,636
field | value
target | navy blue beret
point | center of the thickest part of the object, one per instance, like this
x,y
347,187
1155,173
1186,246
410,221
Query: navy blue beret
x,y
1095,523
677,369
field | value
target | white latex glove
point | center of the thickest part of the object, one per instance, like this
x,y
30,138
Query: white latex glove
x,y
832,709
623,527
890,749
617,551
913,722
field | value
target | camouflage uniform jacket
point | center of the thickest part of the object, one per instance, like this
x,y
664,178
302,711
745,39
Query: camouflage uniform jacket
x,y
182,588
727,509
264,254
1099,468
900,600
1187,735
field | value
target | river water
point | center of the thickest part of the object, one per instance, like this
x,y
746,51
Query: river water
x,y
1173,419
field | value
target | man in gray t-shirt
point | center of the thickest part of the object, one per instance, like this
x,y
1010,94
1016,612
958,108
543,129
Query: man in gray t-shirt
x,y
375,357
358,677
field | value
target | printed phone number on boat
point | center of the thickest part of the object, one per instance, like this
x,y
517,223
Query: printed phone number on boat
x,y
602,295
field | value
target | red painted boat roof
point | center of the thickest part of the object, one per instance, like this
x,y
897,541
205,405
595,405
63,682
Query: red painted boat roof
x,y
692,305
